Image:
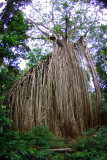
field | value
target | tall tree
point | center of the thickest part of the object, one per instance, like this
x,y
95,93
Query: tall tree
x,y
64,23
13,28
56,91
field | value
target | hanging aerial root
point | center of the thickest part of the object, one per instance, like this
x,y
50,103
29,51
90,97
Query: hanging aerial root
x,y
54,93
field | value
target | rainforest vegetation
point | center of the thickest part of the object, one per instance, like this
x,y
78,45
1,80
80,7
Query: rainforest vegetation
x,y
59,101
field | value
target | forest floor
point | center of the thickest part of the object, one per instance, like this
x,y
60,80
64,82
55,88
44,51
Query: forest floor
x,y
66,145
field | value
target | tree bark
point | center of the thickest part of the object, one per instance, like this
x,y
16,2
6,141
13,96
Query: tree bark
x,y
54,93
96,84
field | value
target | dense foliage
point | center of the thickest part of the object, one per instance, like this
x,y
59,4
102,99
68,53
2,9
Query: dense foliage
x,y
7,78
101,65
34,56
12,40
92,146
13,46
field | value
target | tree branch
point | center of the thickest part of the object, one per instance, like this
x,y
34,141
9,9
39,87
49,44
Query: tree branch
x,y
66,28
38,38
53,14
61,150
72,33
46,34
90,26
88,29
39,14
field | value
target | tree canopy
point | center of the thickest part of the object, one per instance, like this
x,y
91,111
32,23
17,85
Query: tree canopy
x,y
69,20
13,38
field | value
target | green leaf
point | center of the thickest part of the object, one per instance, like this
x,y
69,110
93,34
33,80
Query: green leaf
x,y
65,4
15,156
101,35
80,154
58,8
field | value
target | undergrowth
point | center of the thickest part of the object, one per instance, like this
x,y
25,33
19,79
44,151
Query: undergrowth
x,y
24,146
35,143
93,146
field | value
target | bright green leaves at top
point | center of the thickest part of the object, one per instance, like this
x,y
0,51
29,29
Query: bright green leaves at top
x,y
15,31
65,5
33,56
72,17
12,45
103,28
57,29
58,8
14,35
17,24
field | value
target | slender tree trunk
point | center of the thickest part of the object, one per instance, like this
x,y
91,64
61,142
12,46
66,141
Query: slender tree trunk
x,y
96,84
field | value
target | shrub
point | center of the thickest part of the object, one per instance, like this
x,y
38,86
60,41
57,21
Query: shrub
x,y
4,121
12,146
93,146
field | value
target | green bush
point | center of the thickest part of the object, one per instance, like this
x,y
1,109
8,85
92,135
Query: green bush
x,y
12,146
93,146
4,121
40,138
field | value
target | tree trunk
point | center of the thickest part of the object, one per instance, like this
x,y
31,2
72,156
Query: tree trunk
x,y
96,83
54,93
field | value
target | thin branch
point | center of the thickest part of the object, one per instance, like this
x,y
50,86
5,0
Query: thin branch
x,y
46,34
88,29
61,150
53,14
39,14
66,28
72,33
90,25
42,38
48,29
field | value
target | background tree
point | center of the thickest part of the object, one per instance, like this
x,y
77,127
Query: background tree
x,y
13,39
